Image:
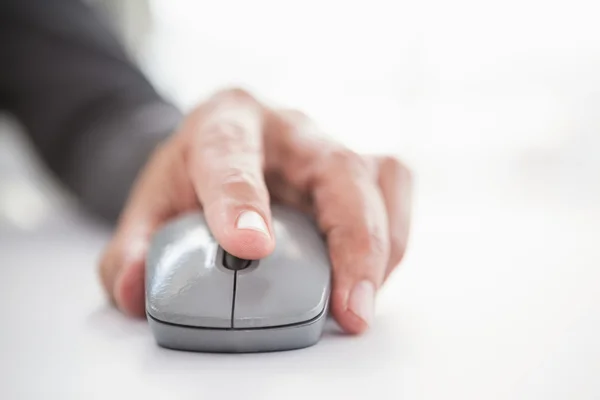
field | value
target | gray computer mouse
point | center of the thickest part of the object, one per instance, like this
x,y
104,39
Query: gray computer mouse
x,y
201,298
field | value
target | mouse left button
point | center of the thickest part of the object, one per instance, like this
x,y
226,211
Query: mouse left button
x,y
184,285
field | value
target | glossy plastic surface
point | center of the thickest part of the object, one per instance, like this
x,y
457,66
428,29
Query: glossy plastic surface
x,y
186,283
289,286
238,340
194,302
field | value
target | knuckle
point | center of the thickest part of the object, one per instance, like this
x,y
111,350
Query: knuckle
x,y
235,93
345,156
293,115
365,242
346,159
393,166
238,182
238,176
223,131
376,244
223,138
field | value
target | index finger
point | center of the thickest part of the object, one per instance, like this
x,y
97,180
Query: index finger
x,y
226,168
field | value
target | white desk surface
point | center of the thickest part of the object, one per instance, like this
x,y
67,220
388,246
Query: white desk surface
x,y
498,297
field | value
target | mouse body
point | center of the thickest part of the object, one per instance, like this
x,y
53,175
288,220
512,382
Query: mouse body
x,y
200,298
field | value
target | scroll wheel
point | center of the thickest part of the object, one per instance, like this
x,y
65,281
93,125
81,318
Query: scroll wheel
x,y
234,263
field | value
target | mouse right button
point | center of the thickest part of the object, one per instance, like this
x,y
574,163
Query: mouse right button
x,y
291,285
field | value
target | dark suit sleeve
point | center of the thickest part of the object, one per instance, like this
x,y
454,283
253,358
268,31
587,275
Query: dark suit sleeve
x,y
91,114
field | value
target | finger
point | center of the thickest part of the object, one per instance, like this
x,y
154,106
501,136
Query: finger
x,y
281,191
395,182
351,212
227,172
160,192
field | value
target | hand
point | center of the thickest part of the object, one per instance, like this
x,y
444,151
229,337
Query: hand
x,y
231,157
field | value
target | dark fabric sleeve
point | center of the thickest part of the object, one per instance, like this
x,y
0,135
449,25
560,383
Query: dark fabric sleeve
x,y
90,112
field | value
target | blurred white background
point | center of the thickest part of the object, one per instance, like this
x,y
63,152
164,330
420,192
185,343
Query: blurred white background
x,y
513,85
496,107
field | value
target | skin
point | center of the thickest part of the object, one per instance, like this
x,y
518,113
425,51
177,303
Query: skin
x,y
233,154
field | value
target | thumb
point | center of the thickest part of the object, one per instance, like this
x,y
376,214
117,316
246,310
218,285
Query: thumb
x,y
161,191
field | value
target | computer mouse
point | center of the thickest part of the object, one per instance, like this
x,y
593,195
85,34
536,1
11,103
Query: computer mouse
x,y
201,298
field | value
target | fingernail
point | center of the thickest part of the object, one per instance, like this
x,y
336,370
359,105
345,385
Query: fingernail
x,y
362,301
252,220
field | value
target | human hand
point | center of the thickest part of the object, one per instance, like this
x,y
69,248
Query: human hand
x,y
231,157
